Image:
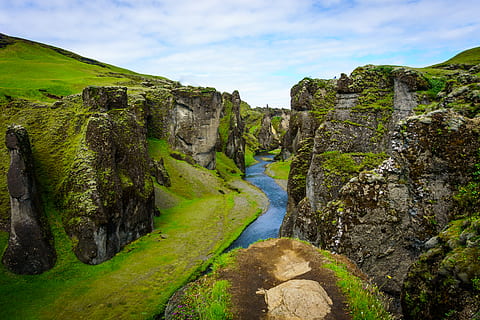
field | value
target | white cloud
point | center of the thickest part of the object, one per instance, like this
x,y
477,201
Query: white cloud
x,y
260,47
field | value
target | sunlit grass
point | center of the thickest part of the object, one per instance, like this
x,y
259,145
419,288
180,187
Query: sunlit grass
x,y
137,282
279,169
363,298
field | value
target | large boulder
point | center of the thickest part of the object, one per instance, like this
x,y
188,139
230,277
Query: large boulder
x,y
30,246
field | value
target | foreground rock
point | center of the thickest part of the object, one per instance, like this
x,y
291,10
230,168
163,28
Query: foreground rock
x,y
30,249
297,299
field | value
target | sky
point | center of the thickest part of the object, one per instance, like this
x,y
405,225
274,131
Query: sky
x,y
259,47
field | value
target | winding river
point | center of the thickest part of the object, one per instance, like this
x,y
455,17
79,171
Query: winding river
x,y
268,224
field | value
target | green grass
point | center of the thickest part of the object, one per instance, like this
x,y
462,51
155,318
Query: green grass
x,y
470,57
191,230
249,157
279,169
34,71
363,298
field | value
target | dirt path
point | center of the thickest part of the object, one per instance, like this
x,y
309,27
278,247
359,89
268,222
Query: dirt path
x,y
268,264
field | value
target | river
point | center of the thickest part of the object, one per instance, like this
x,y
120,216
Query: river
x,y
268,224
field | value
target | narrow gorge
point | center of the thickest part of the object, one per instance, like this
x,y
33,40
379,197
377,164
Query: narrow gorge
x,y
122,188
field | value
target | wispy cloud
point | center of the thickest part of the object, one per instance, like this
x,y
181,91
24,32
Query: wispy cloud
x,y
260,47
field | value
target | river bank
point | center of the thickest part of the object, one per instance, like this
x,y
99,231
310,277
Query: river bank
x,y
200,215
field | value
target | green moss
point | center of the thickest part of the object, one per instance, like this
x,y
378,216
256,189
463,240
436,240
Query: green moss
x,y
225,122
249,157
324,98
364,299
347,164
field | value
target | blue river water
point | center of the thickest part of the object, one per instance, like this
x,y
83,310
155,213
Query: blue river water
x,y
268,224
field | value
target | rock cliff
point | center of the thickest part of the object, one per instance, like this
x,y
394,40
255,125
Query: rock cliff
x,y
273,127
194,123
231,130
30,246
369,180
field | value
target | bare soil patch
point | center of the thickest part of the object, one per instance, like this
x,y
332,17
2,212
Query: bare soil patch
x,y
261,265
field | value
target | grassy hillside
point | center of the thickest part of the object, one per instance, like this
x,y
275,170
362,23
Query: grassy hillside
x,y
201,213
34,71
468,57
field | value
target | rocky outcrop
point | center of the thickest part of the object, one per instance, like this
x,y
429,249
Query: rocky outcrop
x,y
105,98
404,202
381,219
306,114
194,123
231,130
157,169
273,127
354,119
108,193
30,246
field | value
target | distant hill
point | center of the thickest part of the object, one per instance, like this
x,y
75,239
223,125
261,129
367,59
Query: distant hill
x,y
36,71
469,57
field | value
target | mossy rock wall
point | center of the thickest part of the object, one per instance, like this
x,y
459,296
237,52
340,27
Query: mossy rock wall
x,y
350,121
108,192
231,130
383,219
445,282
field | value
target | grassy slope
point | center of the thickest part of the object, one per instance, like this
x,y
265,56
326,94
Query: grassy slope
x,y
279,169
200,213
27,67
470,57
195,226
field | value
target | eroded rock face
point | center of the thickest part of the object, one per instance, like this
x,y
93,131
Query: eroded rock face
x,y
354,123
109,197
383,219
232,122
30,248
194,124
273,127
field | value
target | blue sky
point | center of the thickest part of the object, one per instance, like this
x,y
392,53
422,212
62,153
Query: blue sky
x,y
259,47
